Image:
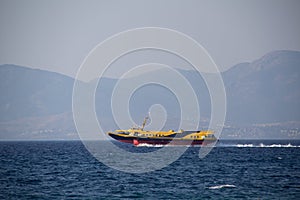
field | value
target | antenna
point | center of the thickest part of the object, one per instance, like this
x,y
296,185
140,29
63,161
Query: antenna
x,y
144,123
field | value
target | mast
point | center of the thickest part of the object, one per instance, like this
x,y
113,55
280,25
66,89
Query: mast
x,y
144,122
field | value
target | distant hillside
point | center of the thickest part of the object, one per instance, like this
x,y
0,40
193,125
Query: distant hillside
x,y
29,92
35,101
266,90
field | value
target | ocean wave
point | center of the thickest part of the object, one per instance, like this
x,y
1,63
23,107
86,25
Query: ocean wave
x,y
268,146
221,186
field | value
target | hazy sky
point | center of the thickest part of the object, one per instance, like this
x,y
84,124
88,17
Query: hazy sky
x,y
57,35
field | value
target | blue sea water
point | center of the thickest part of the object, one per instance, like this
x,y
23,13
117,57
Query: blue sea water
x,y
232,170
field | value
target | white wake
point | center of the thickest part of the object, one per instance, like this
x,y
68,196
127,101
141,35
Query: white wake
x,y
269,146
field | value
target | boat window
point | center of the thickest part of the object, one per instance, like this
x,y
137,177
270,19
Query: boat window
x,y
122,132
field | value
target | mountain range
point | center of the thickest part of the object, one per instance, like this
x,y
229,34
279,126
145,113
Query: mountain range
x,y
37,104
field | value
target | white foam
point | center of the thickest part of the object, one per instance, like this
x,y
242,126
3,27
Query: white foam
x,y
164,145
268,146
222,186
244,145
279,145
149,145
